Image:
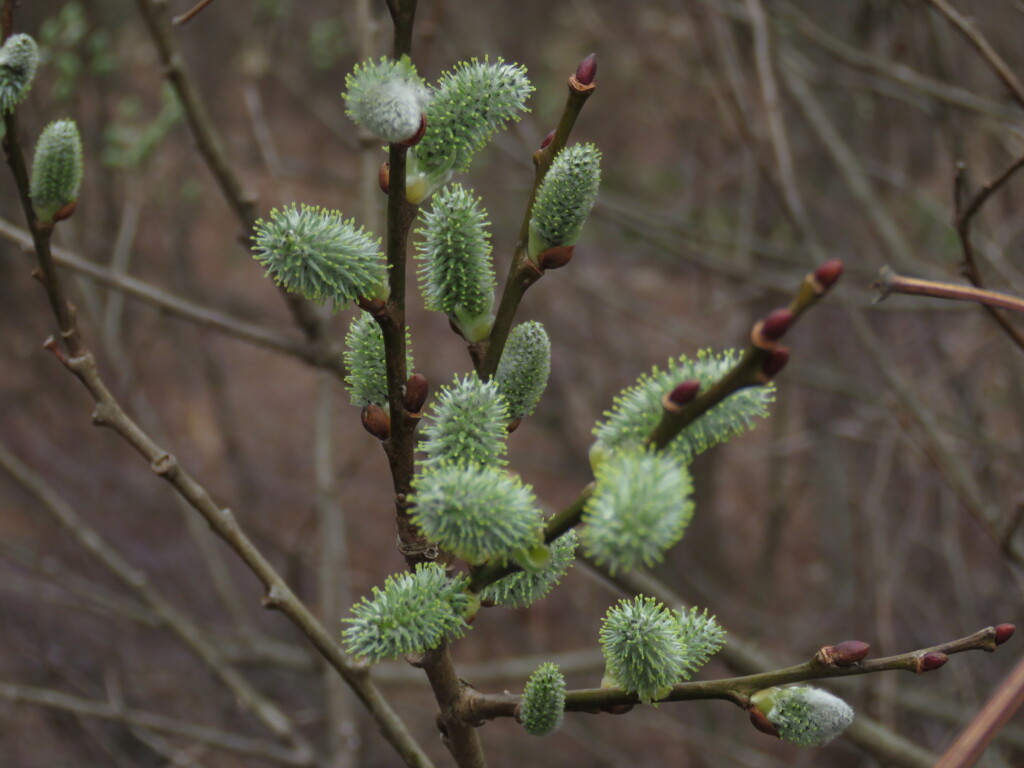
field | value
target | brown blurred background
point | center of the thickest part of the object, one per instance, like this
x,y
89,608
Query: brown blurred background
x,y
879,502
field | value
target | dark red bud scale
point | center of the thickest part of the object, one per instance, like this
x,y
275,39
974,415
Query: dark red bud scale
x,y
617,709
828,274
931,661
844,654
384,177
775,325
682,394
65,211
1004,632
547,140
416,390
554,258
513,425
774,363
376,421
760,721
373,306
587,70
415,138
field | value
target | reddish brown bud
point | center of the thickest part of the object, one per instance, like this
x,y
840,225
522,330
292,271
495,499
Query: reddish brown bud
x,y
775,325
587,70
513,425
373,306
384,177
760,721
416,389
556,257
774,362
1004,632
65,211
415,138
681,395
617,709
376,421
455,328
829,273
931,661
547,140
844,654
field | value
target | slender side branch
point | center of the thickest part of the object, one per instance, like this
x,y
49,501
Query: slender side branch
x,y
739,689
889,282
522,271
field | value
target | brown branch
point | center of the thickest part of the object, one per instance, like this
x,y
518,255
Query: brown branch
x,y
191,13
1005,702
739,689
889,282
132,717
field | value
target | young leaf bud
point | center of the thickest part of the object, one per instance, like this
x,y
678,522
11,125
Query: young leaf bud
x,y
376,421
681,395
525,365
456,274
641,647
543,703
413,613
1004,632
638,409
366,377
19,57
640,507
565,198
774,363
523,588
466,424
828,274
803,715
931,661
476,512
315,252
844,654
387,98
547,139
56,169
772,328
470,104
416,390
587,70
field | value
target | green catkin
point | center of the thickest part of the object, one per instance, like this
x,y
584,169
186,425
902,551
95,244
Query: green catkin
x,y
565,198
640,507
804,715
317,253
642,649
414,612
456,274
366,376
56,169
525,365
466,424
478,513
387,98
523,588
19,57
638,409
543,705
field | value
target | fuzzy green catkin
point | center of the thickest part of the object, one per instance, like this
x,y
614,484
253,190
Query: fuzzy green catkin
x,y
638,409
543,705
387,98
565,198
366,378
470,103
414,612
804,715
466,424
315,252
19,58
523,588
477,513
456,273
642,649
640,507
56,169
525,365
702,637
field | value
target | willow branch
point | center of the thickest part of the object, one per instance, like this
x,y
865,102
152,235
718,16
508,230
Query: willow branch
x,y
889,282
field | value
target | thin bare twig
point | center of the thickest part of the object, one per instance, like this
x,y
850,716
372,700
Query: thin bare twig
x,y
889,282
